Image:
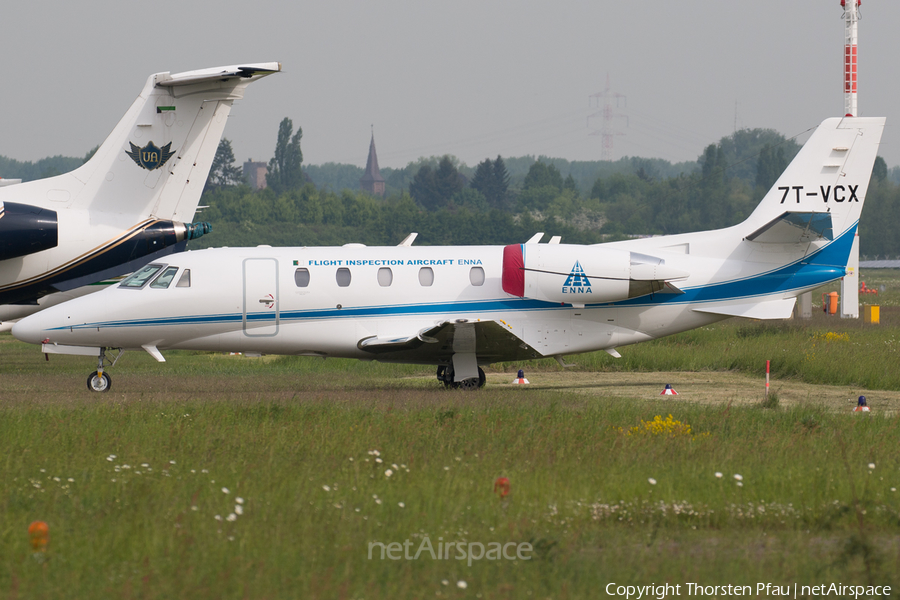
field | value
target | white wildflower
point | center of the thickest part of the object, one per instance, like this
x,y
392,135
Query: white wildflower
x,y
652,481
462,584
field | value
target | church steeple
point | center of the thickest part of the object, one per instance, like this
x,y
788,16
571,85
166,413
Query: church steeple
x,y
372,181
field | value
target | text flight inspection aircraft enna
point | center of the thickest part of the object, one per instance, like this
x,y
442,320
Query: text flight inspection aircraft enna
x,y
133,201
459,307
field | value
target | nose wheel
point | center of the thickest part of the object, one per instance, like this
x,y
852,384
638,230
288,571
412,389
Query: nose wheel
x,y
98,381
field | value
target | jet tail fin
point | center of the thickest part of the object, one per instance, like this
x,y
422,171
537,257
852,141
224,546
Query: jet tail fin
x,y
828,179
155,162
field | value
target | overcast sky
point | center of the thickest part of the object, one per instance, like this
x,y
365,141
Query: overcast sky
x,y
470,78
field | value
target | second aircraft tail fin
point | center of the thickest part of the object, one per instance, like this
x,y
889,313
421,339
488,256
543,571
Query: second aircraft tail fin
x,y
155,162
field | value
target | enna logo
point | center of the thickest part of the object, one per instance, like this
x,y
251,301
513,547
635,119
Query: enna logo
x,y
577,282
150,157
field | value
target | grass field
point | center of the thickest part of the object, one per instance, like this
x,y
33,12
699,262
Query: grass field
x,y
216,476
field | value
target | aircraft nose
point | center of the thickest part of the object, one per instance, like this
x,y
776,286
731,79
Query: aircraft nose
x,y
30,329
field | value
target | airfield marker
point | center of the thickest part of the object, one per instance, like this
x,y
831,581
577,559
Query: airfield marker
x,y
39,532
861,405
669,391
501,487
520,378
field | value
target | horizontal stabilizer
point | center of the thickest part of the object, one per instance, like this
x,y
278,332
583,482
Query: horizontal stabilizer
x,y
772,309
795,227
220,74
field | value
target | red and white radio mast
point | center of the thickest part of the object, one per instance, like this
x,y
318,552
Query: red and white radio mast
x,y
850,281
851,20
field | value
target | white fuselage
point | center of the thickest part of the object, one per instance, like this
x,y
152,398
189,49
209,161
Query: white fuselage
x,y
258,300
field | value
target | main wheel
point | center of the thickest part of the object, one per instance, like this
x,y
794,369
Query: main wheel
x,y
99,383
469,384
445,376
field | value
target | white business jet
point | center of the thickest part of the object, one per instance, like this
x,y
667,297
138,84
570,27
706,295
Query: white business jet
x,y
133,201
460,307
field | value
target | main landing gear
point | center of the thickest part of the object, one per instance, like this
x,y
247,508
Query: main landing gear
x,y
99,380
445,376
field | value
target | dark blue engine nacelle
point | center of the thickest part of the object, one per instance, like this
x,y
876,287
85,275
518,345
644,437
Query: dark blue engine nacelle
x,y
26,229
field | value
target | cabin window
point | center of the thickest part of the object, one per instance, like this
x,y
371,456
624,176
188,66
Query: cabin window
x,y
426,276
476,276
301,277
185,280
385,276
343,277
139,279
162,282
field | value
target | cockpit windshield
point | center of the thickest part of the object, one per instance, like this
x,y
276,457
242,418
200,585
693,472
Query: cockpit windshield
x,y
139,278
163,281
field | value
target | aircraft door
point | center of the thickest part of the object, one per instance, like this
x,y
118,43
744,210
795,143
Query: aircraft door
x,y
262,310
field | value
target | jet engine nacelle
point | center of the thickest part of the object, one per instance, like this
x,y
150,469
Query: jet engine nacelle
x,y
574,274
26,229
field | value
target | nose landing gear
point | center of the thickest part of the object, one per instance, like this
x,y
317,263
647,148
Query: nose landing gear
x,y
99,380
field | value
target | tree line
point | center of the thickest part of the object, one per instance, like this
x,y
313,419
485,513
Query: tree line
x,y
447,202
502,200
